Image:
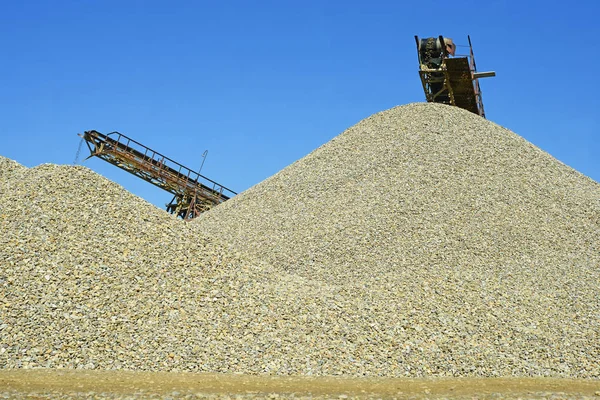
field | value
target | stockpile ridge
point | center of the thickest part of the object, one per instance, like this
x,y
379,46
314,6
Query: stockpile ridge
x,y
424,241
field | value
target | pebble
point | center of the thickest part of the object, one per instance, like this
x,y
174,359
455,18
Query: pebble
x,y
423,241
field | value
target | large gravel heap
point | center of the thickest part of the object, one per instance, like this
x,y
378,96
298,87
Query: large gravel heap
x,y
422,241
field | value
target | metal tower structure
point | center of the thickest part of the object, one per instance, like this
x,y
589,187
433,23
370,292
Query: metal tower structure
x,y
450,80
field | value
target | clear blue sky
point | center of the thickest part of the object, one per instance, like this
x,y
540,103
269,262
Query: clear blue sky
x,y
260,84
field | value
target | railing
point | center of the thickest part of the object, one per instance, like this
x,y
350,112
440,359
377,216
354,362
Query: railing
x,y
476,87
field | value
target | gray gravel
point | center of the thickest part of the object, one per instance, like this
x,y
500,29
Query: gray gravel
x,y
424,241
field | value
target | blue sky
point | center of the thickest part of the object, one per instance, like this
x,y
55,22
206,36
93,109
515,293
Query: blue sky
x,y
260,84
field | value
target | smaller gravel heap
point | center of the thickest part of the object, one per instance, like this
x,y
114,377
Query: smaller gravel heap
x,y
94,277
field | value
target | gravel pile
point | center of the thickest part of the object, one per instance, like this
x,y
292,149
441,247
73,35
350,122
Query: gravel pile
x,y
94,277
424,241
474,251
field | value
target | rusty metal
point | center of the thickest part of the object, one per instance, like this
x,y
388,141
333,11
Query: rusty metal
x,y
455,81
192,193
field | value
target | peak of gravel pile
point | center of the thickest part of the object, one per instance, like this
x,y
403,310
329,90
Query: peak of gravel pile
x,y
412,187
422,241
9,167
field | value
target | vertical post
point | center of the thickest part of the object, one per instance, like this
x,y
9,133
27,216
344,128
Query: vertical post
x,y
203,159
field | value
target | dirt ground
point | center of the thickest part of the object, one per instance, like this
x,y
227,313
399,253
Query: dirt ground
x,y
43,383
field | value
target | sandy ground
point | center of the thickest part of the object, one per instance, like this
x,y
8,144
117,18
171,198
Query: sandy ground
x,y
42,383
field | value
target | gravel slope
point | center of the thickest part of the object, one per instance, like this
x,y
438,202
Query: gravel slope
x,y
424,241
415,185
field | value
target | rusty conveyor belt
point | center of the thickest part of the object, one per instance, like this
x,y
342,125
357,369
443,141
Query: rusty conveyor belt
x,y
193,193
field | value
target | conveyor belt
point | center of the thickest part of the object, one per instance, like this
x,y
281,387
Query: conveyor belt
x,y
192,193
